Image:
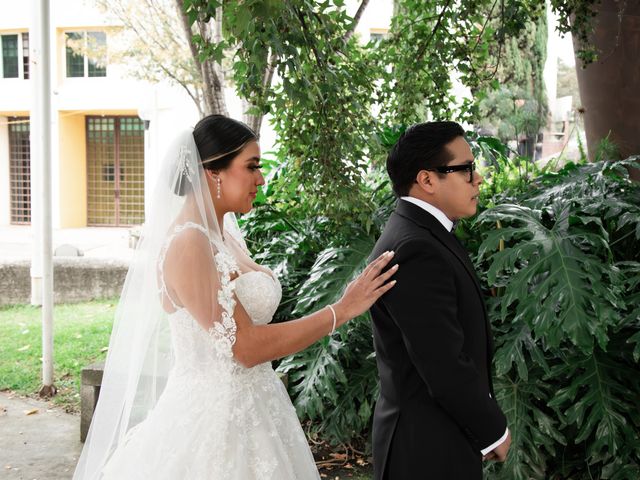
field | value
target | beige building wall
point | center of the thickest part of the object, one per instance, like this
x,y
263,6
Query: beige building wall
x,y
72,170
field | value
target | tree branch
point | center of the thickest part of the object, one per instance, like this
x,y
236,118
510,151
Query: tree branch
x,y
305,33
212,90
186,27
423,47
268,76
356,20
255,121
194,95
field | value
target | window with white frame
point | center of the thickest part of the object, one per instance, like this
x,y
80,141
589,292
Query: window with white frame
x,y
15,55
86,54
378,34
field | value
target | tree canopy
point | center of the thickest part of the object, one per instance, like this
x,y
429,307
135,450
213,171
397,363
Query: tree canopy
x,y
333,100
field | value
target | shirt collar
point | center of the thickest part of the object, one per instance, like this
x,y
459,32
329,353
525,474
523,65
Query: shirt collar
x,y
436,212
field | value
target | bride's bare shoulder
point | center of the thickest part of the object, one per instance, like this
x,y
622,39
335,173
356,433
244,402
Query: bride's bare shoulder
x,y
189,243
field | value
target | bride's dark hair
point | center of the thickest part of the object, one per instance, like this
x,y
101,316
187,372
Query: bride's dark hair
x,y
218,139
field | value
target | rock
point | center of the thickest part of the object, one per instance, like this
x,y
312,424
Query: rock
x,y
67,250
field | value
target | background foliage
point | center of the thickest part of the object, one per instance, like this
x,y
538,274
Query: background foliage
x,y
333,96
558,255
562,266
557,247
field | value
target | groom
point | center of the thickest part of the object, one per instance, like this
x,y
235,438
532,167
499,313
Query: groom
x,y
436,417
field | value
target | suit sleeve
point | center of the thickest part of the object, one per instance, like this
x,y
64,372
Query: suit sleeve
x,y
424,307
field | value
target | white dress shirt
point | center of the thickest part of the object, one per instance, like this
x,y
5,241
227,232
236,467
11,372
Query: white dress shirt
x,y
448,225
436,212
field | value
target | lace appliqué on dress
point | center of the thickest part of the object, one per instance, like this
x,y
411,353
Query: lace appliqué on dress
x,y
224,332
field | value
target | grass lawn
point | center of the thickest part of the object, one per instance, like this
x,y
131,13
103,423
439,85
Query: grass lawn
x,y
81,335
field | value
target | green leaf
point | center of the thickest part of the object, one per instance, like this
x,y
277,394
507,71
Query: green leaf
x,y
512,349
535,432
550,276
598,401
334,268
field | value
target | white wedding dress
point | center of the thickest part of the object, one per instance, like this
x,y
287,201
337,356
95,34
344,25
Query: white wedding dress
x,y
215,418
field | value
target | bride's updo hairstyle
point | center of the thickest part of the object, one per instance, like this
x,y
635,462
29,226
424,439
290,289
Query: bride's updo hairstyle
x,y
218,139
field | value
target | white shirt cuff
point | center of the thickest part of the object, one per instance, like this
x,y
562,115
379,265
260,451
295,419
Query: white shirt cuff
x,y
495,445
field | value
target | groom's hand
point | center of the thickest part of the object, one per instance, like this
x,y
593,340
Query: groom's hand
x,y
499,454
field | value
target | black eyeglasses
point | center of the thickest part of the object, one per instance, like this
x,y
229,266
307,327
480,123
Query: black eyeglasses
x,y
466,167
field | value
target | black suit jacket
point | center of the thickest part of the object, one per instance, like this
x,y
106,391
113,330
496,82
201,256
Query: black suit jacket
x,y
433,344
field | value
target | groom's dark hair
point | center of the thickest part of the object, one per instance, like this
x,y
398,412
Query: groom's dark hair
x,y
420,147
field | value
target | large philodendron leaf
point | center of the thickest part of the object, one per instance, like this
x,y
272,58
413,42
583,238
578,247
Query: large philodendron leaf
x,y
315,375
554,276
334,268
597,180
601,401
601,189
351,414
624,468
631,272
534,431
318,375
630,319
335,381
515,345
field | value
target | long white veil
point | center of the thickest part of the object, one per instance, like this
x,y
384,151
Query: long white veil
x,y
140,352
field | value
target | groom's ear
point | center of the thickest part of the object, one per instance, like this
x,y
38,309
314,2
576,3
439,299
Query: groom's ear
x,y
425,181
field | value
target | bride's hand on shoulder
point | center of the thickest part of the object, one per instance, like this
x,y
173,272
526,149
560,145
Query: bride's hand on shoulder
x,y
364,290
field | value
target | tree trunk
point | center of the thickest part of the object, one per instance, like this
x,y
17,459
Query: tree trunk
x,y
212,91
356,20
253,121
215,86
609,89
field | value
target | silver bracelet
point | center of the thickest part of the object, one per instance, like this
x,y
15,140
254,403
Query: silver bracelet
x,y
335,319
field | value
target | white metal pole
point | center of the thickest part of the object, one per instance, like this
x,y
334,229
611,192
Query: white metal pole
x,y
43,120
35,54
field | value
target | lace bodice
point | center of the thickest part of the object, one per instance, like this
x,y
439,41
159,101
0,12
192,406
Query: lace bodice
x,y
258,291
260,294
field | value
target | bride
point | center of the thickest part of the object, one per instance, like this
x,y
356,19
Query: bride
x,y
188,390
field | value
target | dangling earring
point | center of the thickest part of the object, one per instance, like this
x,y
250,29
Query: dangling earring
x,y
219,194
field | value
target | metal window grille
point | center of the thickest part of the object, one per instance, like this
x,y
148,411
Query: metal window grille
x,y
25,54
20,170
115,171
132,171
